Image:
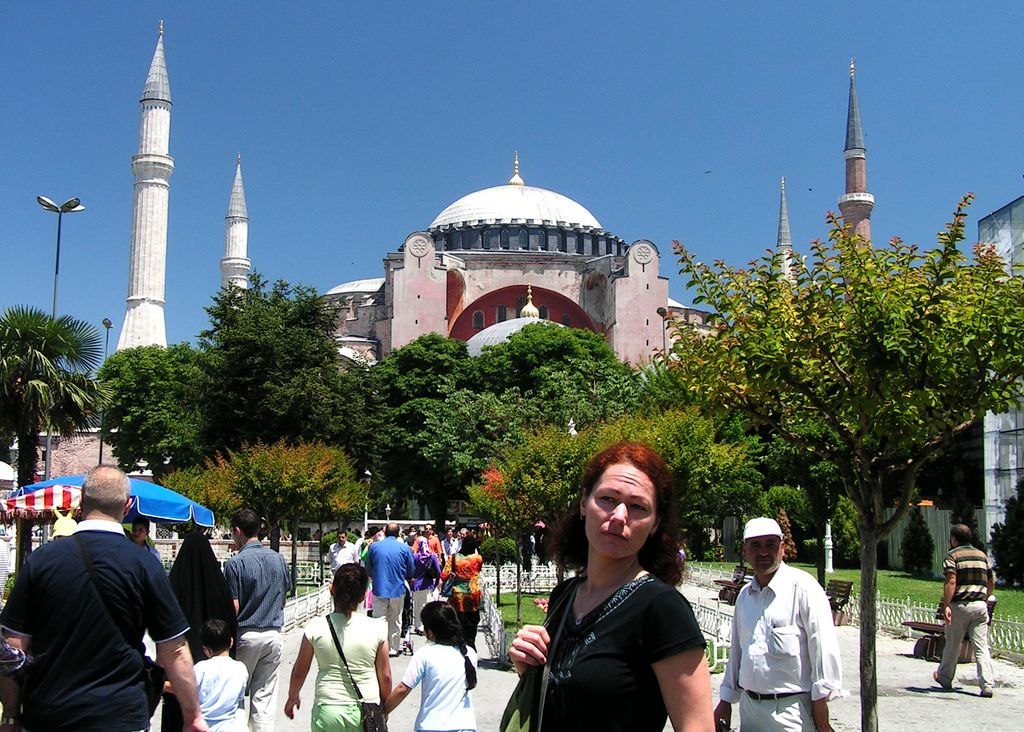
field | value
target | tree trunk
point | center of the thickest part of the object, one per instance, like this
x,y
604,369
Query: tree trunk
x,y
868,626
519,581
295,554
28,458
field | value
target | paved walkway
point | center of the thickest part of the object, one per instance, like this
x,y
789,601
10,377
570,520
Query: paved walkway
x,y
908,699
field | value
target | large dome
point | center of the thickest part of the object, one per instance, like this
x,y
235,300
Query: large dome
x,y
516,204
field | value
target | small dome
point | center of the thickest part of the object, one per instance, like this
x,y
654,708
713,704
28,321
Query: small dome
x,y
372,284
501,332
525,204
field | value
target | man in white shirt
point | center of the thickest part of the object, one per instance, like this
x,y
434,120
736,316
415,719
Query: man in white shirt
x,y
784,662
342,552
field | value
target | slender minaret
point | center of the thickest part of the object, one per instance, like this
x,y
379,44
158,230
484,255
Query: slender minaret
x,y
857,203
234,267
784,246
144,320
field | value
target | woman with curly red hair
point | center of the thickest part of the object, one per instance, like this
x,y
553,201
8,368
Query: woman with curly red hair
x,y
622,649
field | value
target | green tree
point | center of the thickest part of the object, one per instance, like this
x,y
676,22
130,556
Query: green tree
x,y
46,383
421,388
154,415
1008,540
917,547
280,482
568,373
894,349
272,370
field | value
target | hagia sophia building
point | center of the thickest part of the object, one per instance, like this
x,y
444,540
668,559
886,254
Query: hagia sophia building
x,y
470,273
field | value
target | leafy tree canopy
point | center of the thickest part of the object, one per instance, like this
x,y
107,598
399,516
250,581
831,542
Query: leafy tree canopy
x,y
894,349
271,368
155,407
46,383
278,481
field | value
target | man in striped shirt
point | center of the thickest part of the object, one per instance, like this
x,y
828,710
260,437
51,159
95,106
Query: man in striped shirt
x,y
969,583
259,582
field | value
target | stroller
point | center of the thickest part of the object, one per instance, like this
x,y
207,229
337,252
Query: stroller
x,y
407,648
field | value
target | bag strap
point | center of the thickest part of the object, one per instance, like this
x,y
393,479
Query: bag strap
x,y
337,644
87,558
566,607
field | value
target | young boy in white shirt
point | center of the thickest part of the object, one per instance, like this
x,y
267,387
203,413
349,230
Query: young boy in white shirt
x,y
221,680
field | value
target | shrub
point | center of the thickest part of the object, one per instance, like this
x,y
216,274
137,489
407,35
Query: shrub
x,y
845,537
489,549
1008,540
917,546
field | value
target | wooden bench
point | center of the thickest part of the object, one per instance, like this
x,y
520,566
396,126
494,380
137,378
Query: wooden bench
x,y
731,587
838,592
933,640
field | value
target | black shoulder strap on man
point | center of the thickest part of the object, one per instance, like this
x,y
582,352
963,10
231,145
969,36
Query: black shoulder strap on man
x,y
152,675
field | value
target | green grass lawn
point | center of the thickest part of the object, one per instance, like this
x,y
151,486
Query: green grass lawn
x,y
898,585
532,615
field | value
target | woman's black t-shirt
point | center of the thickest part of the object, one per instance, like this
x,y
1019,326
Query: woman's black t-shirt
x,y
601,676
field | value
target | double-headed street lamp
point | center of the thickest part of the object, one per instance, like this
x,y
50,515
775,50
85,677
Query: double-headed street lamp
x,y
72,205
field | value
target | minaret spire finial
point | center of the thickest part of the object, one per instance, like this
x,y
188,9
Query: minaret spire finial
x,y
161,29
238,159
853,67
516,180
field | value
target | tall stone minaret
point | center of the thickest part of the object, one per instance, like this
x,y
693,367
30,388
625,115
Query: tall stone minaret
x,y
856,203
784,246
152,166
234,267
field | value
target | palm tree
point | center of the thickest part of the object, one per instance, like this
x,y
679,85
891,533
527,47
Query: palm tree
x,y
46,368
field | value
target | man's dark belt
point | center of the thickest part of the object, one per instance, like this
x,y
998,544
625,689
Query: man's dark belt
x,y
771,697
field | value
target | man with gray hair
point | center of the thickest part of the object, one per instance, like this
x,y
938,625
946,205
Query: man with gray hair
x,y
80,606
784,660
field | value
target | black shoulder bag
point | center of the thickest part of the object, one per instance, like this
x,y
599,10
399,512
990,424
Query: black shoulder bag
x,y
152,675
525,709
373,713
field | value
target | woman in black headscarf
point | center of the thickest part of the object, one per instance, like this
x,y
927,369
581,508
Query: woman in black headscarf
x,y
202,592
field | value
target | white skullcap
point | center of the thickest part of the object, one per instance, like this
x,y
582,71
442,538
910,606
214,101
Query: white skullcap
x,y
761,527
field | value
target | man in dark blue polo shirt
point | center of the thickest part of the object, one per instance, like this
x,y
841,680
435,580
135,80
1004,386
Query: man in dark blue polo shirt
x,y
259,582
390,563
85,634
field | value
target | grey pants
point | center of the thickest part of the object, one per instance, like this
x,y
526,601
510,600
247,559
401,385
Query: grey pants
x,y
970,619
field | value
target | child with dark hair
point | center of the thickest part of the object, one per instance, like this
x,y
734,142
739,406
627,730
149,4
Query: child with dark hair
x,y
221,680
447,668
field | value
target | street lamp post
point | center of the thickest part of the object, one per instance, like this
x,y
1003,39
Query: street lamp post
x,y
664,328
106,349
72,205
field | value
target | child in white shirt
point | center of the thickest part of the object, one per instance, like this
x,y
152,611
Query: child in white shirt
x,y
447,668
221,680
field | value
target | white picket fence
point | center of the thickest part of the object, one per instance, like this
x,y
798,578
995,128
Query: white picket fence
x,y
298,610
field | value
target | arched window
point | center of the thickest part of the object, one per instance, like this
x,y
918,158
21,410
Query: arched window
x,y
565,320
543,310
502,313
478,320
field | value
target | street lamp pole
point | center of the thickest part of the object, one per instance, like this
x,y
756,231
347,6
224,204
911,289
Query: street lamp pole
x,y
664,328
106,349
72,205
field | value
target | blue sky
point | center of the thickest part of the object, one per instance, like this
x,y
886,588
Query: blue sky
x,y
358,122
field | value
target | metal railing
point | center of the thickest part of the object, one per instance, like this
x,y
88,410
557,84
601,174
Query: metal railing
x,y
541,578
297,610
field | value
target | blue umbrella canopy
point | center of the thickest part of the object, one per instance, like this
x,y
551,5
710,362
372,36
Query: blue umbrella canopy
x,y
148,499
